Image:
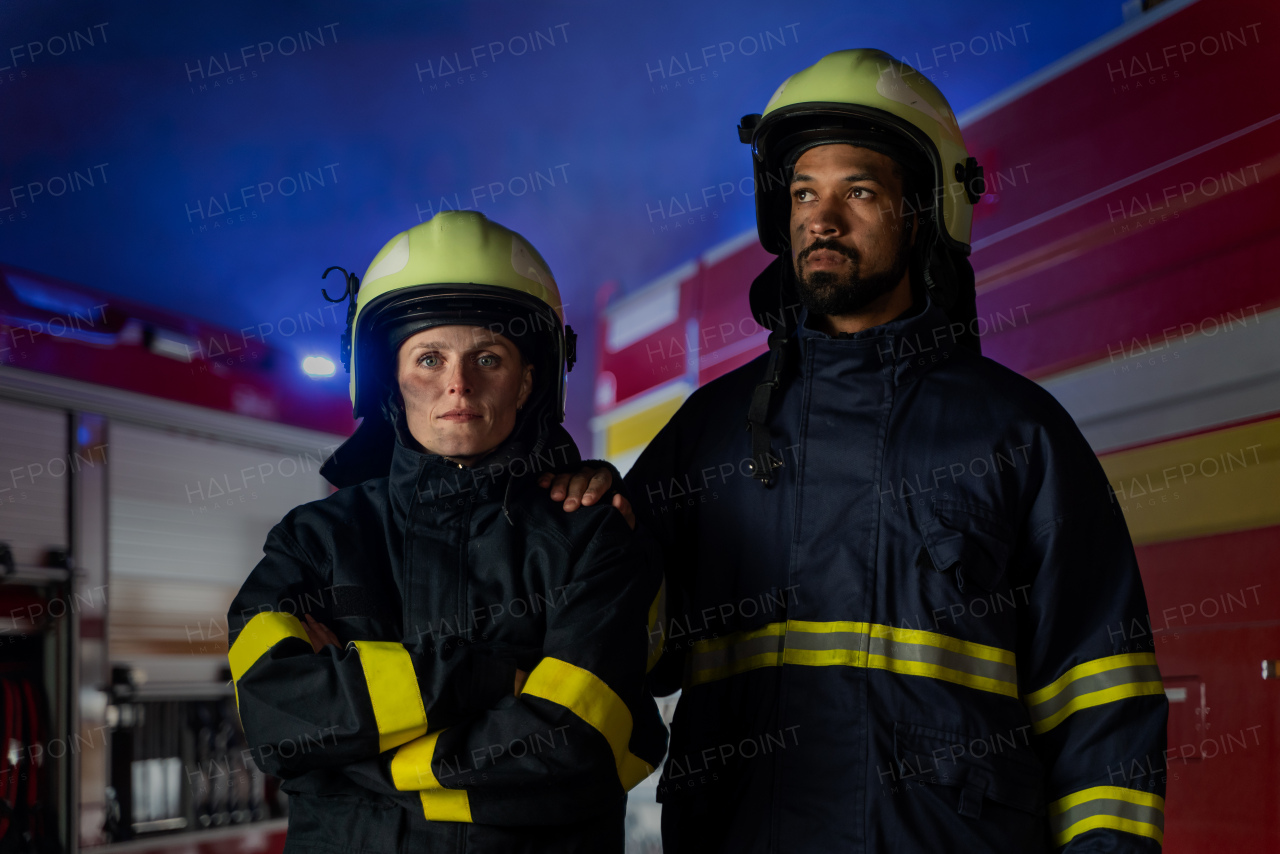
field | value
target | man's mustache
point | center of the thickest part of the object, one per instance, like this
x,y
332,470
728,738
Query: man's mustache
x,y
831,245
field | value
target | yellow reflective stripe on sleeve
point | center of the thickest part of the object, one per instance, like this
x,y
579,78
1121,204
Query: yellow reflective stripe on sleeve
x,y
411,770
657,627
1111,807
587,696
908,652
446,805
411,764
261,633
393,690
1094,683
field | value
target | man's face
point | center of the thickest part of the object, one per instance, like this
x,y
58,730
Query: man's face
x,y
848,241
461,387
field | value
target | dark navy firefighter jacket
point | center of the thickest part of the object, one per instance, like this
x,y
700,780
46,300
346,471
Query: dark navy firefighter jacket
x,y
440,581
915,640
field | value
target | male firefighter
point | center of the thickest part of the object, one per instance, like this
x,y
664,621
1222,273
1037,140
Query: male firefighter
x,y
435,658
892,604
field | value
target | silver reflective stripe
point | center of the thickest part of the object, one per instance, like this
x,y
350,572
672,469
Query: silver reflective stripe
x,y
952,660
822,641
809,644
735,652
1131,675
1062,822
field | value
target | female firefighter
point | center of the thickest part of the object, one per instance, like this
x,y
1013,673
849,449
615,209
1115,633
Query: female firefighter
x,y
436,657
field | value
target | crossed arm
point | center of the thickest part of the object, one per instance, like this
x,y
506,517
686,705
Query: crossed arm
x,y
321,636
297,684
402,720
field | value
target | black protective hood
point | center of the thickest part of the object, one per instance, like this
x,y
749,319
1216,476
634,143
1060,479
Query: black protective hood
x,y
943,274
366,454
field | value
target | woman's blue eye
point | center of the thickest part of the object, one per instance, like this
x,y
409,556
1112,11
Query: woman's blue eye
x,y
487,361
429,361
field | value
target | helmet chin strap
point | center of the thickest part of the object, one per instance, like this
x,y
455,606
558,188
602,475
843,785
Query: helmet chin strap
x,y
393,410
929,256
535,416
763,460
932,264
948,277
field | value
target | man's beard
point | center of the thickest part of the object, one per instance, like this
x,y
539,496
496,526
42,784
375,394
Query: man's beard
x,y
835,294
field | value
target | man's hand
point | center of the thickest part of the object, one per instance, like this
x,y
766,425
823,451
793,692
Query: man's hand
x,y
319,635
585,488
521,678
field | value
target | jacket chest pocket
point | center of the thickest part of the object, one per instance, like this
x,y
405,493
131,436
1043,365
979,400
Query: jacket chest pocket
x,y
970,543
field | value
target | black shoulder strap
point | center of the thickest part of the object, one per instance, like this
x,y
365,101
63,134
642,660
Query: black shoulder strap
x,y
773,287
763,460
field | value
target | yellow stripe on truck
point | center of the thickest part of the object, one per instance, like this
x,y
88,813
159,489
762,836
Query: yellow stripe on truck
x,y
635,431
1213,483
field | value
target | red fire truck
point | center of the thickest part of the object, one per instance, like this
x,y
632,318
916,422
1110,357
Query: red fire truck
x,y
143,458
1125,253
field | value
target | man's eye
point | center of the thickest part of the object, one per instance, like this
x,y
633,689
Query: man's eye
x,y
487,361
801,195
861,193
429,361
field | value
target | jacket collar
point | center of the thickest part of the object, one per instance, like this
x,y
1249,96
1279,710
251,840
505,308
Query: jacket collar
x,y
912,343
431,478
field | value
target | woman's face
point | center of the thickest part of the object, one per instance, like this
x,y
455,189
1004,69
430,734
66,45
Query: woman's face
x,y
461,387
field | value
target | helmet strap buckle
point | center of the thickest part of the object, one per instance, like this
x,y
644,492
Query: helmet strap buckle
x,y
570,348
972,176
352,288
